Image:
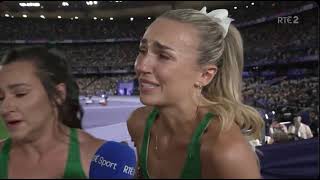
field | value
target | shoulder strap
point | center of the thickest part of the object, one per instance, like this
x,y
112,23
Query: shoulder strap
x,y
192,167
4,158
73,167
144,149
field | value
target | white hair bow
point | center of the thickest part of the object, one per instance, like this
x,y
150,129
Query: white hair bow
x,y
221,15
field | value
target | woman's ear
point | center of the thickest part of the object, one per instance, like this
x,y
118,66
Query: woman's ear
x,y
208,73
62,93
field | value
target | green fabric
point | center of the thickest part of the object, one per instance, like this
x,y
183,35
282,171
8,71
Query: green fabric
x,y
192,166
4,158
73,169
3,130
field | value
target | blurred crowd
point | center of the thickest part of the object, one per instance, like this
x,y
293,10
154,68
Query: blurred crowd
x,y
66,29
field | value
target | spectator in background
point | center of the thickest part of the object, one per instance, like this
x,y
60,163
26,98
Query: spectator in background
x,y
277,128
300,129
314,125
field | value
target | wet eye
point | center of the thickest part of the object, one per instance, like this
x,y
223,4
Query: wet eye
x,y
163,56
20,94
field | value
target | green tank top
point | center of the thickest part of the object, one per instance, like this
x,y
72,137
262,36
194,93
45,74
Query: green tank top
x,y
192,166
73,167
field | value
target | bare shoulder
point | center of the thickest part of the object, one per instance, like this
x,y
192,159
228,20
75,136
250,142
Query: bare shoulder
x,y
88,147
228,155
86,139
137,121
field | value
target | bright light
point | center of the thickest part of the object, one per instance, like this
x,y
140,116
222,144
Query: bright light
x,y
111,18
42,16
247,6
12,16
252,3
71,18
235,7
24,15
76,17
65,4
149,18
131,19
267,117
29,4
59,17
90,3
273,112
101,19
7,15
36,4
95,18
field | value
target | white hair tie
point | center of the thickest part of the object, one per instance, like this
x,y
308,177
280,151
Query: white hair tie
x,y
220,16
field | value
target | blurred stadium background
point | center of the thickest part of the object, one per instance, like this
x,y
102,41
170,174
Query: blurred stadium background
x,y
101,38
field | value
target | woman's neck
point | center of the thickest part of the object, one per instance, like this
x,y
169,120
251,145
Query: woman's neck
x,y
179,120
44,141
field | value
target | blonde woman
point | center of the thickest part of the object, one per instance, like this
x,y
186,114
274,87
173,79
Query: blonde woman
x,y
194,124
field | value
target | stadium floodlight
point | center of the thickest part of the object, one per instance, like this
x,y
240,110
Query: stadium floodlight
x,y
95,2
65,3
131,19
24,15
101,19
252,3
36,4
273,112
235,7
247,6
12,16
30,4
267,117
7,15
89,3
59,17
95,18
42,16
76,17
22,4
149,18
111,18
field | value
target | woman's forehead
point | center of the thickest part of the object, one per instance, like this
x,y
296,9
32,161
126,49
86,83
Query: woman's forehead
x,y
18,72
179,36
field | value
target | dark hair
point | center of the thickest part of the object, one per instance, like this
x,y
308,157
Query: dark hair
x,y
52,69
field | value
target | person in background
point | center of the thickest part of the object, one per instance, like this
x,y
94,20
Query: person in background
x,y
277,129
39,103
194,124
300,129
